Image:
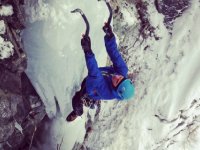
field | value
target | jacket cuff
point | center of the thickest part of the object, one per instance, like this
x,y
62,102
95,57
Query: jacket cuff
x,y
89,53
109,37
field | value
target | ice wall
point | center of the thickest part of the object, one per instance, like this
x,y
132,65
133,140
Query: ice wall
x,y
56,63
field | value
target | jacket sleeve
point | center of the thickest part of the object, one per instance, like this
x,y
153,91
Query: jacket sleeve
x,y
118,62
92,66
94,77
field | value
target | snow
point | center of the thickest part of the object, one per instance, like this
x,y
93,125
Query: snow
x,y
165,112
2,27
6,10
128,17
18,127
6,48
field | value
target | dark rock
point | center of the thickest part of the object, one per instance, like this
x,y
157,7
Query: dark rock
x,y
146,29
26,110
20,105
6,131
27,87
5,109
6,120
10,81
19,109
171,9
15,139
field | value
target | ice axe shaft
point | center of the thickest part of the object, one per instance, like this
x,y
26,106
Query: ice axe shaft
x,y
110,10
84,18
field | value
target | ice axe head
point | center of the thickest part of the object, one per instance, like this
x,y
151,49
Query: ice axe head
x,y
110,10
77,10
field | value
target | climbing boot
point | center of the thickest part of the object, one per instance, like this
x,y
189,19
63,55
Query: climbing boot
x,y
72,116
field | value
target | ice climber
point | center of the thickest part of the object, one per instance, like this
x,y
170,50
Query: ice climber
x,y
105,83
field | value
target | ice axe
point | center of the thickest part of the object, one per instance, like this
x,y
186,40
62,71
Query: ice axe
x,y
84,18
110,10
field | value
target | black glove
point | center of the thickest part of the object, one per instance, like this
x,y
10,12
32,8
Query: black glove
x,y
86,44
108,30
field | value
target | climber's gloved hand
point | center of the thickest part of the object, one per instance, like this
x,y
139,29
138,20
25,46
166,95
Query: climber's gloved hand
x,y
108,30
86,44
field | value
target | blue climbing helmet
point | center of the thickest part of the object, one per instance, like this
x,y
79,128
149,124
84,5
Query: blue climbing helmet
x,y
126,89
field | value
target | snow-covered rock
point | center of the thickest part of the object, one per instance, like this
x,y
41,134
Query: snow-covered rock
x,y
6,10
6,48
2,27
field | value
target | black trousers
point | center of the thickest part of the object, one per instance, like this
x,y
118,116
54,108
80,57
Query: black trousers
x,y
81,98
77,102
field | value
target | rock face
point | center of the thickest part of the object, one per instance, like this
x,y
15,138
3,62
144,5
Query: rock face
x,y
133,34
21,109
171,9
6,125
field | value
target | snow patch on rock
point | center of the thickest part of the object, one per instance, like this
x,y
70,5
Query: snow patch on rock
x,y
6,48
6,10
2,27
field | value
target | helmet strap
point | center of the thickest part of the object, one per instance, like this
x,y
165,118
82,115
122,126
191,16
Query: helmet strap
x,y
120,83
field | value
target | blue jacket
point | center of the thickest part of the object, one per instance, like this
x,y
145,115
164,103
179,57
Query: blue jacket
x,y
99,82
